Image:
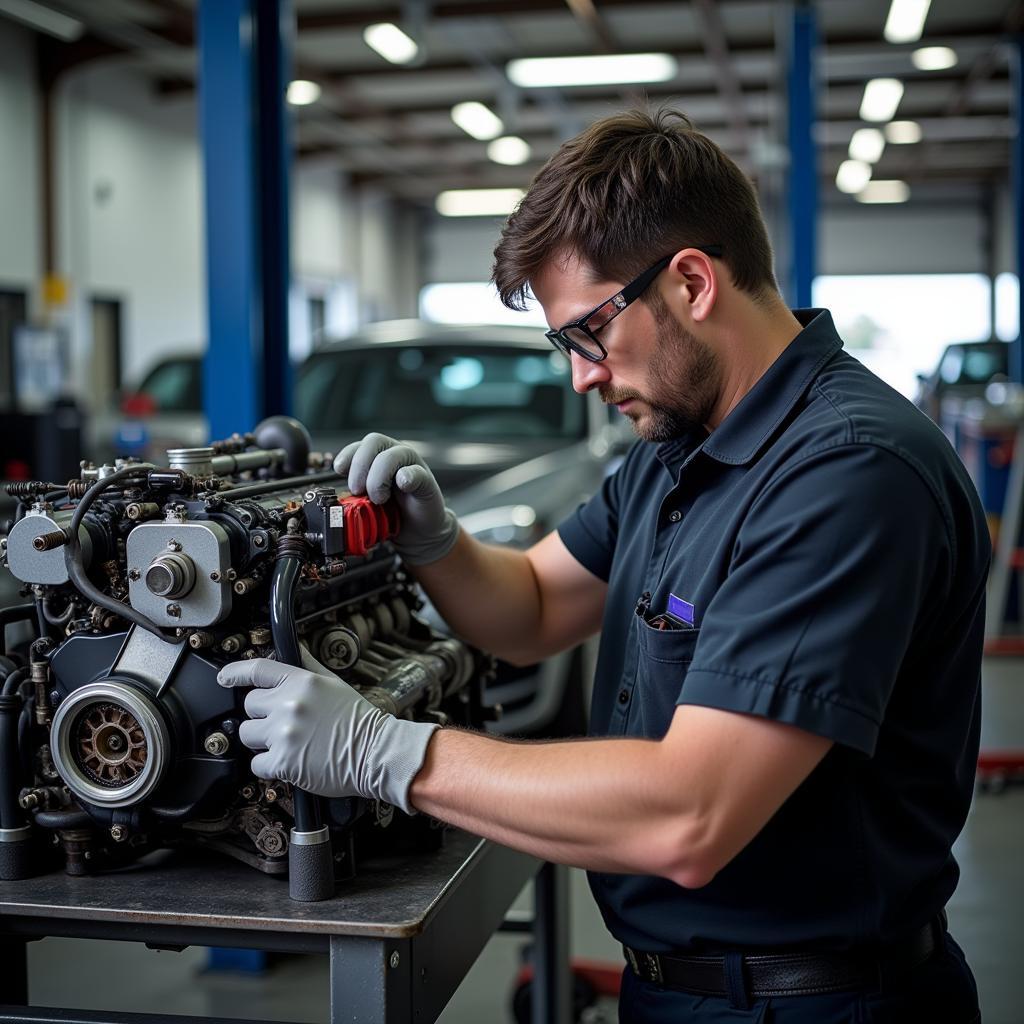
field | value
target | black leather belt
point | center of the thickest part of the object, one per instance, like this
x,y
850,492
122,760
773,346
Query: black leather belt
x,y
789,974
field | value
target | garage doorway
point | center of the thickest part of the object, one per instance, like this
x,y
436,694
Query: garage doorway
x,y
105,362
13,314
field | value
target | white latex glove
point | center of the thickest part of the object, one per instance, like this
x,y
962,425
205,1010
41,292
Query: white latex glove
x,y
380,467
312,729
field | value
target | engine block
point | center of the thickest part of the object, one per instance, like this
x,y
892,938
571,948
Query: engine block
x,y
115,737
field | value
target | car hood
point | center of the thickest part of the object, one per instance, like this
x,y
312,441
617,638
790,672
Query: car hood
x,y
458,466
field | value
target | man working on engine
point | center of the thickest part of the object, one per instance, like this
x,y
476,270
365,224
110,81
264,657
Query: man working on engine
x,y
788,575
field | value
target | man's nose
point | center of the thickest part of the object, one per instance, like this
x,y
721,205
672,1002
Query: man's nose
x,y
585,374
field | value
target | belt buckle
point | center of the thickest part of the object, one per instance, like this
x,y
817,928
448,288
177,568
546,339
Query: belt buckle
x,y
653,965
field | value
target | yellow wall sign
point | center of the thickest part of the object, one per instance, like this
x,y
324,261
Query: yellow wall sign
x,y
56,290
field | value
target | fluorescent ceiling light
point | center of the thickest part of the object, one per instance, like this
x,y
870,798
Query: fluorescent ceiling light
x,y
934,58
302,92
390,42
43,19
609,69
902,133
478,202
866,145
884,192
852,176
475,119
906,20
510,150
881,98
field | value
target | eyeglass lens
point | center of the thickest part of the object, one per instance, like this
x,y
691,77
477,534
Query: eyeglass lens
x,y
582,341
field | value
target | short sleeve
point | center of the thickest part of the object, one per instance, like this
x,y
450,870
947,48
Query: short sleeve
x,y
591,532
836,565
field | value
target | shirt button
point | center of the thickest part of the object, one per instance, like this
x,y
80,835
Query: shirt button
x,y
623,696
675,516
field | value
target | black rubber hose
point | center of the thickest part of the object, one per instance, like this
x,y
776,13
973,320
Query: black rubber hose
x,y
76,570
11,814
63,819
58,618
13,681
42,626
16,613
308,814
266,486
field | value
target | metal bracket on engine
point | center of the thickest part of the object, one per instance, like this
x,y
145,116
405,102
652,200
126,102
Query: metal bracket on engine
x,y
178,572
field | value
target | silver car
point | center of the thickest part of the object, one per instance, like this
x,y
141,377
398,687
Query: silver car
x,y
514,448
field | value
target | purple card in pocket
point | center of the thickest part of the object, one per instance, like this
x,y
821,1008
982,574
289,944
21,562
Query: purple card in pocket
x,y
681,609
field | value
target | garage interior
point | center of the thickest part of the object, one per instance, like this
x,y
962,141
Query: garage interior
x,y
199,227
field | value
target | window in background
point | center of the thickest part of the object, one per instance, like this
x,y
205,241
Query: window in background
x,y
1007,307
317,317
899,324
473,302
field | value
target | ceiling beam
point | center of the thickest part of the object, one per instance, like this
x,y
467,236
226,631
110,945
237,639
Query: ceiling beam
x,y
597,28
717,49
357,17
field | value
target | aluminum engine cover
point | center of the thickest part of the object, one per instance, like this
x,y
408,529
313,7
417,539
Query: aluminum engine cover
x,y
46,567
204,546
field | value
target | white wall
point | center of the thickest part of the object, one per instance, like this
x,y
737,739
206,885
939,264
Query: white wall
x,y
388,240
884,239
130,213
20,232
858,240
323,221
460,248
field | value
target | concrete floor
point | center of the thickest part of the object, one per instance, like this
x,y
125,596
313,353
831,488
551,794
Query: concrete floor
x,y
985,916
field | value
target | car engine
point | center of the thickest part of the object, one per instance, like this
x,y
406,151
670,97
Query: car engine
x,y
115,737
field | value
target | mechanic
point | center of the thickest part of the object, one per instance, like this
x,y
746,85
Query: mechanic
x,y
788,575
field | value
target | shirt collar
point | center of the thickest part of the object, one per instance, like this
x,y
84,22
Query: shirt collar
x,y
742,434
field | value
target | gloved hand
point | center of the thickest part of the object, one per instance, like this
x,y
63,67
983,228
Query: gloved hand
x,y
315,731
380,467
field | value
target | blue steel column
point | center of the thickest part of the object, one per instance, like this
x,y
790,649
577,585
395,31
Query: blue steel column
x,y
274,27
1017,65
245,157
802,179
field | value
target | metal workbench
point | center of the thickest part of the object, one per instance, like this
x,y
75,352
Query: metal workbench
x,y
400,936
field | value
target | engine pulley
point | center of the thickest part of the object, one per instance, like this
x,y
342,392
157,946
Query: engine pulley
x,y
110,744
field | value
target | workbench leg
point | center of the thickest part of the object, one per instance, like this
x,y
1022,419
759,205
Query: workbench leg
x,y
14,973
370,981
552,980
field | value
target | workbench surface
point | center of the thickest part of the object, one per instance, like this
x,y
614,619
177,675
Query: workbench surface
x,y
393,896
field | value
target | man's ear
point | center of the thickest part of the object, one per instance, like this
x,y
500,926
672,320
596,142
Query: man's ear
x,y
694,278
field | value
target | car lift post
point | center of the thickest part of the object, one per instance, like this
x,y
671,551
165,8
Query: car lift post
x,y
802,172
243,75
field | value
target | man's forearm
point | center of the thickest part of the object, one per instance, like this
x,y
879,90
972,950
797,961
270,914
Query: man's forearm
x,y
573,802
488,595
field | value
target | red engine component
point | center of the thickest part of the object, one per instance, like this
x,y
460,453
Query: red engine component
x,y
367,524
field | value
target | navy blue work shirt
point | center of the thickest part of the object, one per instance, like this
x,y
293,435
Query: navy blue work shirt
x,y
835,554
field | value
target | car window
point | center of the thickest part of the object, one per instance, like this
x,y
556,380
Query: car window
x,y
175,386
462,392
951,365
981,364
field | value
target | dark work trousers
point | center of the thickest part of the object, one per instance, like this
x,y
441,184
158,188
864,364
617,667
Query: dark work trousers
x,y
939,991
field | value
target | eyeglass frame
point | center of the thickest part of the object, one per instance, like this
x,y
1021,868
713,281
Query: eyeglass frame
x,y
620,300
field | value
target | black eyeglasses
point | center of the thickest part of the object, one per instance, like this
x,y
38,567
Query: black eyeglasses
x,y
580,335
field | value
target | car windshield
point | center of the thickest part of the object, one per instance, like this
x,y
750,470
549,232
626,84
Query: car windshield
x,y
175,386
456,392
973,364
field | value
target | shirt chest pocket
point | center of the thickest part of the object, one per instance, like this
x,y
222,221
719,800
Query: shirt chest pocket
x,y
664,657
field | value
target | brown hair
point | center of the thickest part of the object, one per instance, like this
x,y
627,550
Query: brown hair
x,y
629,189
